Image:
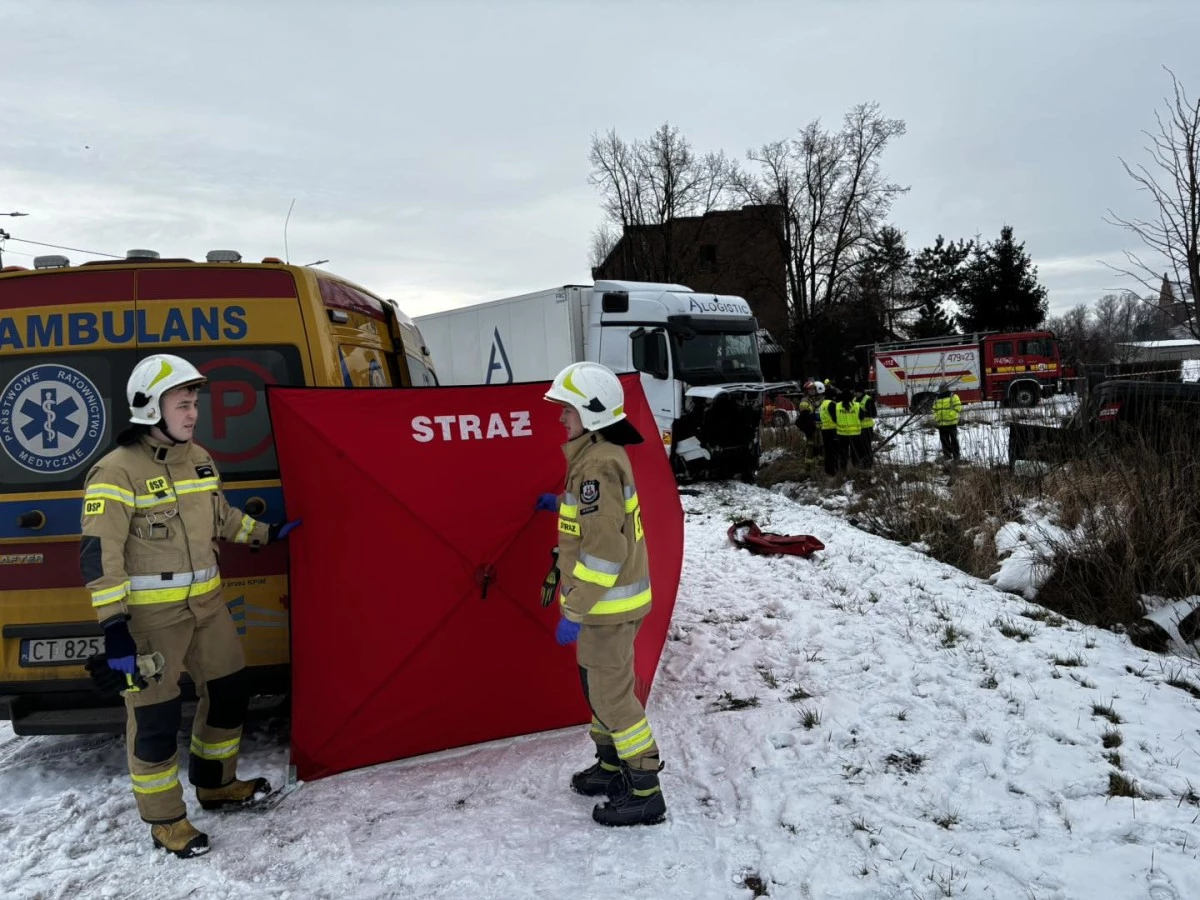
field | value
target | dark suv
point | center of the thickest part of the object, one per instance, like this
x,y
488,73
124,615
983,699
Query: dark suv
x,y
1114,413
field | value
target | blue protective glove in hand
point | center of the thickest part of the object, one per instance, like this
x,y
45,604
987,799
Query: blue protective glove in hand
x,y
277,532
119,648
567,632
547,502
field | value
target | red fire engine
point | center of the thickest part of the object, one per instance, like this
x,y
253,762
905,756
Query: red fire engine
x,y
1017,368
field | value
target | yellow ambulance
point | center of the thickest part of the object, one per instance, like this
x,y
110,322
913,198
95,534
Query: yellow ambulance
x,y
69,337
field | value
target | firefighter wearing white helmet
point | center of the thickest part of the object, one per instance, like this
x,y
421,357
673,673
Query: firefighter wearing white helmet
x,y
605,591
153,509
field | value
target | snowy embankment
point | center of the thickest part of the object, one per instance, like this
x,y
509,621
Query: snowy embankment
x,y
866,724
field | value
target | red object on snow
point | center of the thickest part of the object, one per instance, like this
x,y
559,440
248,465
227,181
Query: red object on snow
x,y
748,536
416,622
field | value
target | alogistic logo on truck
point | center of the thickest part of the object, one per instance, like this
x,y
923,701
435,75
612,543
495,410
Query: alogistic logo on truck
x,y
714,305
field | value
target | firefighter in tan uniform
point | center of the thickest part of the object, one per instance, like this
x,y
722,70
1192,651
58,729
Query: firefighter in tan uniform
x,y
153,512
605,591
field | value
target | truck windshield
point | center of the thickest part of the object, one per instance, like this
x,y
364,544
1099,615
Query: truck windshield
x,y
709,357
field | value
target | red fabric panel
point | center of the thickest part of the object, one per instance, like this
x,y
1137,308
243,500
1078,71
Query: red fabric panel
x,y
395,649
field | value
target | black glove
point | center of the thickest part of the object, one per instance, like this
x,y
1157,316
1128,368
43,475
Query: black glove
x,y
107,681
119,648
277,531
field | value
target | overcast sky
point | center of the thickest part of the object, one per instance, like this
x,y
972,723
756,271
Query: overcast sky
x,y
437,152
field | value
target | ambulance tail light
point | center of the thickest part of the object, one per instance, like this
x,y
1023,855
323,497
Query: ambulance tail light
x,y
222,256
51,261
272,259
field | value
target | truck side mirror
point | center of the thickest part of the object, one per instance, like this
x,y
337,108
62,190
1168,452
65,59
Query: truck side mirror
x,y
650,353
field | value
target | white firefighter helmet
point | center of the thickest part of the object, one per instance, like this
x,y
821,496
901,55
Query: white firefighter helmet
x,y
593,390
153,377
820,388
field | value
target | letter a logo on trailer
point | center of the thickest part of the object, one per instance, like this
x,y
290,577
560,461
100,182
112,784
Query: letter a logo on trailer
x,y
501,363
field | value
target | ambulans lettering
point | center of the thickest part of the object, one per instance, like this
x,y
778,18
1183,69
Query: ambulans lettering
x,y
80,329
467,427
715,305
52,419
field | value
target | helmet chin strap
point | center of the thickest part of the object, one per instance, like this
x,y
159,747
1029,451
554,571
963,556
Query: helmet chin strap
x,y
162,426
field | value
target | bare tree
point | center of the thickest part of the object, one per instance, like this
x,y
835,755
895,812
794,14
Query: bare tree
x,y
1118,321
651,183
827,198
604,239
1172,179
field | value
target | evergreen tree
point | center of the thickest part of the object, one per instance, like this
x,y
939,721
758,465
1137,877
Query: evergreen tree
x,y
938,275
932,320
1001,291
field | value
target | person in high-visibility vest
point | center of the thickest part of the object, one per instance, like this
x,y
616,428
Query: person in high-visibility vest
x,y
848,421
866,452
945,416
830,442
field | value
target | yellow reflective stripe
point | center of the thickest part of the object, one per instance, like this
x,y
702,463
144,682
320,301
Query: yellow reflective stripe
x,y
156,783
597,728
569,510
587,573
177,579
221,750
243,535
197,485
631,498
171,595
145,501
566,526
633,740
108,492
622,599
110,595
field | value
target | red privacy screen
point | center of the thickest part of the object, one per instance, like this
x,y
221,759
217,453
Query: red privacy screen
x,y
415,579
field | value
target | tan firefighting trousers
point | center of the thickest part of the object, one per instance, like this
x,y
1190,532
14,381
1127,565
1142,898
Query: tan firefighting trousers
x,y
605,657
201,639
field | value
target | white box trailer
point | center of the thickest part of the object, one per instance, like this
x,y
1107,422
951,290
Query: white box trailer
x,y
697,355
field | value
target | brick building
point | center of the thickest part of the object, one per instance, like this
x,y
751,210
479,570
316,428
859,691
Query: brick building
x,y
735,251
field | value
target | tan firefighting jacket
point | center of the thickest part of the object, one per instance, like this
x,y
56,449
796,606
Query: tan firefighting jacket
x,y
152,514
601,547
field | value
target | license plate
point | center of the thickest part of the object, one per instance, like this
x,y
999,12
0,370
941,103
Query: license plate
x,y
59,651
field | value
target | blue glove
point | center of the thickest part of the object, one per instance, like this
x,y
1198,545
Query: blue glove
x,y
547,502
278,532
567,632
119,647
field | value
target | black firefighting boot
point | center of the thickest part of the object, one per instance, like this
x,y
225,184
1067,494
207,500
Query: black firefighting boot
x,y
237,794
180,838
639,800
602,777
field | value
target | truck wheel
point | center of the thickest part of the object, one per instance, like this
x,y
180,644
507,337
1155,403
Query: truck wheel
x,y
1024,395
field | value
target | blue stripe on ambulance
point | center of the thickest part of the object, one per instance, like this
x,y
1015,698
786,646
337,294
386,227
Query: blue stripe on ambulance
x,y
63,513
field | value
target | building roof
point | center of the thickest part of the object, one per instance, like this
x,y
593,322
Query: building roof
x,y
768,344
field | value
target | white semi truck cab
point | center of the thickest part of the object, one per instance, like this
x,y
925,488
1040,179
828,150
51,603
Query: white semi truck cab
x,y
697,355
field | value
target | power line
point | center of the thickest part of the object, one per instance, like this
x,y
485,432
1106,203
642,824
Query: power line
x,y
61,247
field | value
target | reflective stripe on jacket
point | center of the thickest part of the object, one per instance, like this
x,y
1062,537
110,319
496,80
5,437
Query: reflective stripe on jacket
x,y
945,410
601,548
849,421
151,515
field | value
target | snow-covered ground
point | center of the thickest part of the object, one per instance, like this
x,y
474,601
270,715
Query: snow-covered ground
x,y
982,430
904,731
